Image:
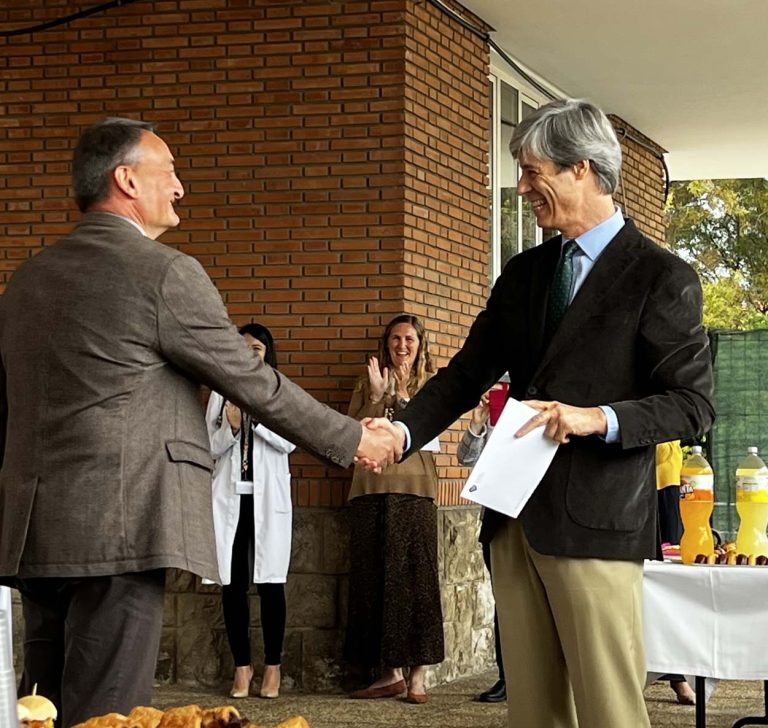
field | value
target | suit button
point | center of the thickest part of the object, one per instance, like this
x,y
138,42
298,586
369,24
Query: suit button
x,y
532,391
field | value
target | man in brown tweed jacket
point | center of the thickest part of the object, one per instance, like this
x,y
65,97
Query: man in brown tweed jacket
x,y
105,478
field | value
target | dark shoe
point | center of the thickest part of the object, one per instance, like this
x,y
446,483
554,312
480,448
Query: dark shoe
x,y
386,691
497,694
416,698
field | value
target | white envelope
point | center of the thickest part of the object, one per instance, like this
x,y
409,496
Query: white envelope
x,y
432,445
509,468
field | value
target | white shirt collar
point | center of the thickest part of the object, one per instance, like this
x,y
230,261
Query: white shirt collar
x,y
128,219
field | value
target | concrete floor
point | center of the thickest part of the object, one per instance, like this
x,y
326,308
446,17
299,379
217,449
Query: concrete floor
x,y
452,706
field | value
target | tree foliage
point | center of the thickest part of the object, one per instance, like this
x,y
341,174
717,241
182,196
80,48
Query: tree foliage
x,y
721,228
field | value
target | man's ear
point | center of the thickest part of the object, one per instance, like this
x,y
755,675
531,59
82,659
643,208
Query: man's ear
x,y
124,181
581,169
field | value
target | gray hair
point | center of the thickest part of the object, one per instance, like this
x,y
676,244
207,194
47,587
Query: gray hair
x,y
100,150
568,131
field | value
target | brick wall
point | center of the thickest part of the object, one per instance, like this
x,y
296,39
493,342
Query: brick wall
x,y
334,165
287,122
641,191
446,234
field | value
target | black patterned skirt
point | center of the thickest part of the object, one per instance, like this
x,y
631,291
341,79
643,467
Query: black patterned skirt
x,y
395,618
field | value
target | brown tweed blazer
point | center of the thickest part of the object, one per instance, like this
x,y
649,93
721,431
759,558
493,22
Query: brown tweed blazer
x,y
104,338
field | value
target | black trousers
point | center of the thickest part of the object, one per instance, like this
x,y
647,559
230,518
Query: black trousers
x,y
91,643
671,530
497,638
670,524
234,598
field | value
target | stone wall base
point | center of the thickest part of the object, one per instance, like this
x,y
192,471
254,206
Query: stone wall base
x,y
194,647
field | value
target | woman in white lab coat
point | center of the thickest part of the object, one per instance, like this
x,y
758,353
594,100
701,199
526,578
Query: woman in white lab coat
x,y
252,516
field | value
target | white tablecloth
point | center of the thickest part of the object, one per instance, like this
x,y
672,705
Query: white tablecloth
x,y
5,608
710,621
7,676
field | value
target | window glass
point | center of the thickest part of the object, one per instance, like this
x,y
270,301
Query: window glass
x,y
530,236
491,172
508,223
513,224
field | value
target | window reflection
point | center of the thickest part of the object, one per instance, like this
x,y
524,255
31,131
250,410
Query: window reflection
x,y
491,170
529,238
513,225
508,175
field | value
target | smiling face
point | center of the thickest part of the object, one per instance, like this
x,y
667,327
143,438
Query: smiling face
x,y
554,193
403,344
156,186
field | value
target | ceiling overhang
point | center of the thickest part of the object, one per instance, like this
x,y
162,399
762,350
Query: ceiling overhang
x,y
688,74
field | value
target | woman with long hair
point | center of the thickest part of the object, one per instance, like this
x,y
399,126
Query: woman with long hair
x,y
252,517
395,618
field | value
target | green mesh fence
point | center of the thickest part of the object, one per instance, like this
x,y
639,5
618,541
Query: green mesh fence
x,y
741,404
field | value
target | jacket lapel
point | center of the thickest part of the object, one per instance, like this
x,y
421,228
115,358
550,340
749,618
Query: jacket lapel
x,y
542,273
607,273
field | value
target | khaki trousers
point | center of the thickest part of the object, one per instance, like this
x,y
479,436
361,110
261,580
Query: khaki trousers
x,y
571,636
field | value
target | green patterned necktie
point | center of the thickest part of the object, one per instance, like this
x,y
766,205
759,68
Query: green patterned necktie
x,y
560,293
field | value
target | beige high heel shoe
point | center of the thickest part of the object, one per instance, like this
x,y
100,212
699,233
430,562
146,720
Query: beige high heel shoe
x,y
241,692
270,688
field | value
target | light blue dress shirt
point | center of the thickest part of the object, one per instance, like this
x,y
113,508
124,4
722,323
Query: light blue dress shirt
x,y
591,245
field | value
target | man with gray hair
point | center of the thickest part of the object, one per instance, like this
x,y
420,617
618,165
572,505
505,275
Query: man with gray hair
x,y
105,464
600,330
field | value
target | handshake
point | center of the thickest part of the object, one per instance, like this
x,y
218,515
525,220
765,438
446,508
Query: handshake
x,y
382,444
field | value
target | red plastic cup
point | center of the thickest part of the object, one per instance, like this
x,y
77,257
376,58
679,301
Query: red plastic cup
x,y
497,398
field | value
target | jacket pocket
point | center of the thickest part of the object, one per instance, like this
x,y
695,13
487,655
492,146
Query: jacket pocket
x,y
283,495
188,452
611,489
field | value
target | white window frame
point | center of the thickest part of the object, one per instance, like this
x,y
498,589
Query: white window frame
x,y
501,72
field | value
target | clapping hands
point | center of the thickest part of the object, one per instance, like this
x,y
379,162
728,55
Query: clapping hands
x,y
378,379
402,375
381,379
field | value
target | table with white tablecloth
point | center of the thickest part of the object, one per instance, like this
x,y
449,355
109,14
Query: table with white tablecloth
x,y
7,675
707,621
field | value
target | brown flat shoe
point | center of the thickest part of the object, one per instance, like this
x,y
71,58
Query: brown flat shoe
x,y
416,698
386,691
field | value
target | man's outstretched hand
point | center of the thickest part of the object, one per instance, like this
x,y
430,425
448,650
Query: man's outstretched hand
x,y
380,445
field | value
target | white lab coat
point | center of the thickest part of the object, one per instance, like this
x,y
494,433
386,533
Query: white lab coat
x,y
272,508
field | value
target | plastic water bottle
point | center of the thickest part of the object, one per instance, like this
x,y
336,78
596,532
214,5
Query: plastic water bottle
x,y
697,499
752,504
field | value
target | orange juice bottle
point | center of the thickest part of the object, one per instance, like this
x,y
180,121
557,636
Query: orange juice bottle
x,y
697,498
752,504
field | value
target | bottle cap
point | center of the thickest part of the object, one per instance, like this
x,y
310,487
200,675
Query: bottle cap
x,y
696,449
752,450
